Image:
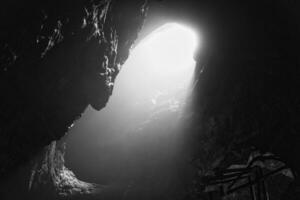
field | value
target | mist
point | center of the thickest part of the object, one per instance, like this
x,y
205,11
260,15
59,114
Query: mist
x,y
137,141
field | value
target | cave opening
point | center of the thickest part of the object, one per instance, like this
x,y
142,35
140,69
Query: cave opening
x,y
136,139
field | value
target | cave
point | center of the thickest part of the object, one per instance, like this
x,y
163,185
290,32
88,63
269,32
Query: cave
x,y
149,99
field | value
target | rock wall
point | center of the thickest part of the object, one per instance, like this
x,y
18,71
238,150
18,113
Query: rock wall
x,y
57,57
50,179
246,95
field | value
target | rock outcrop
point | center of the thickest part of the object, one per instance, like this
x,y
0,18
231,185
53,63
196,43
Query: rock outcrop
x,y
50,179
57,57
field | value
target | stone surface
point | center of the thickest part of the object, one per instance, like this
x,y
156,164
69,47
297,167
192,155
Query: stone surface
x,y
57,57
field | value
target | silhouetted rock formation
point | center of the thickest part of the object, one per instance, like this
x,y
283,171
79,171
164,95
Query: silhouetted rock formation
x,y
50,179
57,57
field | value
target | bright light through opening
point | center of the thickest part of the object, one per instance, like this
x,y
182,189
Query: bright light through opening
x,y
143,116
160,67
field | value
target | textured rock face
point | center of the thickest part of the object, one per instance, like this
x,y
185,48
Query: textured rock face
x,y
50,179
57,57
246,94
46,177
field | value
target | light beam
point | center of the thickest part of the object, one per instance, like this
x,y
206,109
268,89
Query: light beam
x,y
160,67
